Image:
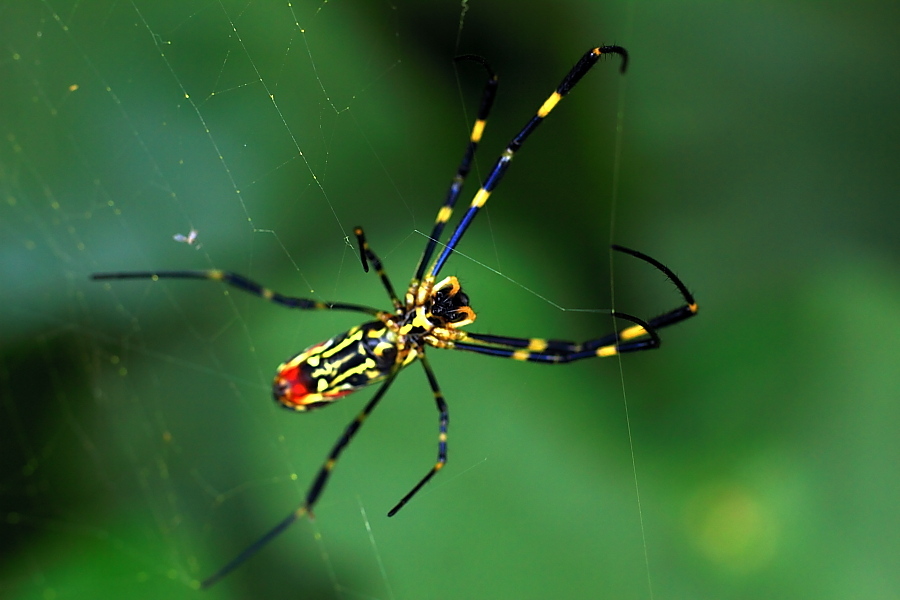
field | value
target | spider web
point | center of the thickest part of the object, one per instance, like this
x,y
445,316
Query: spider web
x,y
140,448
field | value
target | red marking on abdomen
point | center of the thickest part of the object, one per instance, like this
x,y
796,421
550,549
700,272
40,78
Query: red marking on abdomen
x,y
291,387
295,389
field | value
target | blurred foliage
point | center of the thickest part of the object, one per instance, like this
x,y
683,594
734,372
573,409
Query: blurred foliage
x,y
138,445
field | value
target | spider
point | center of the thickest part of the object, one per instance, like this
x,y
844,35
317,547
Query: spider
x,y
431,313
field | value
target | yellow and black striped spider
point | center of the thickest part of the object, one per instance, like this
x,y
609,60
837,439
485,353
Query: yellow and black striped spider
x,y
431,313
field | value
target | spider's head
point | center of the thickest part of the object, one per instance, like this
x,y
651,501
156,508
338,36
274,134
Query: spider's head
x,y
449,305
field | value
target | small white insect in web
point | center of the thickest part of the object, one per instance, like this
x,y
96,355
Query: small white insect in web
x,y
188,239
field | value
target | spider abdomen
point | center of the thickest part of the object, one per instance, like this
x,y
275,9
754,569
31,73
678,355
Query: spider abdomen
x,y
336,367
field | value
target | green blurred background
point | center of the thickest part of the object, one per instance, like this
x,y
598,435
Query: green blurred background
x,y
757,157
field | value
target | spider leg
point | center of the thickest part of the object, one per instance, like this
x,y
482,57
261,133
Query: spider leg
x,y
674,316
315,490
242,283
456,184
637,337
442,436
584,65
366,255
254,547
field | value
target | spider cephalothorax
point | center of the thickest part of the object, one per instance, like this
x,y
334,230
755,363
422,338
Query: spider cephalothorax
x,y
431,306
449,305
